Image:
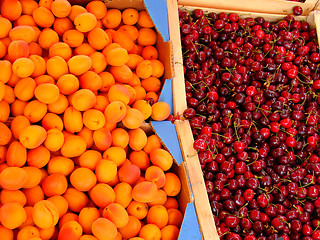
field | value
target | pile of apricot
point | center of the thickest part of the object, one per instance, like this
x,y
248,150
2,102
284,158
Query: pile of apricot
x,y
76,84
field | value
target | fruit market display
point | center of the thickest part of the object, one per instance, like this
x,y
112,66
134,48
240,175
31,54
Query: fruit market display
x,y
76,84
252,90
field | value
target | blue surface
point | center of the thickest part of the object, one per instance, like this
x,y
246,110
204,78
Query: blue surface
x,y
166,94
159,14
166,130
190,226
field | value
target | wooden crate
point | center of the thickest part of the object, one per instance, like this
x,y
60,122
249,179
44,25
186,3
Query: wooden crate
x,y
262,6
194,171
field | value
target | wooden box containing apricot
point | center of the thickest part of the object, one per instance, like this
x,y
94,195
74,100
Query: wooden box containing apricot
x,y
88,150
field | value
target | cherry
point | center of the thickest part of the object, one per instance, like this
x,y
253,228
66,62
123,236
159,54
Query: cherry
x,y
297,10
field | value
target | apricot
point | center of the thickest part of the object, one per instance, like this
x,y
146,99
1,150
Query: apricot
x,y
133,119
72,119
83,179
61,203
138,209
54,140
73,38
173,184
32,136
153,142
85,22
28,232
93,119
71,230
161,199
38,157
123,193
61,8
106,171
175,217
48,37
90,80
104,229
23,67
25,33
117,214
6,134
35,111
140,158
129,173
6,27
13,178
102,138
76,199
60,49
87,216
79,64
156,175
12,215
117,56
98,38
122,74
145,20
34,176
45,214
158,215
120,138
97,8
115,112
115,154
170,232
56,67
89,159
47,93
144,192
102,195
131,229
112,19
83,99
43,17
16,154
18,49
137,139
54,184
73,146
60,164
13,196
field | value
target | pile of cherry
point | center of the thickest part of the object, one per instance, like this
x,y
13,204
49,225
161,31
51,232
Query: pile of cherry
x,y
253,104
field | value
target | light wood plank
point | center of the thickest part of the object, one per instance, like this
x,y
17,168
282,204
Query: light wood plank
x,y
194,171
262,6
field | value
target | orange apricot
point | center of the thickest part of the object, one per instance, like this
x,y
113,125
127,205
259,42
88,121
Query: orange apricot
x,y
144,107
122,37
6,71
106,171
73,38
120,138
28,232
160,111
83,179
97,8
71,230
173,184
131,229
102,138
84,49
161,199
75,11
73,146
117,56
90,80
61,25
99,64
13,196
76,199
59,106
138,209
137,139
98,38
145,20
54,140
130,16
144,191
45,214
32,136
47,93
79,64
89,159
68,84
115,154
117,214
43,17
61,203
17,49
35,49
52,120
12,215
85,22
156,175
34,176
69,216
140,92
149,52
83,99
101,103
9,96
175,217
16,154
25,33
60,49
33,195
6,233
115,111
133,120
102,195
35,111
4,111
144,69
158,68
5,134
87,216
134,60
107,81
123,193
38,157
47,233
158,215
6,27
122,74
87,135
39,66
112,19
60,8
23,67
60,164
170,232
72,120
151,84
93,119
147,36
54,184
13,178
56,67
104,229
150,231
129,173
140,159
161,158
